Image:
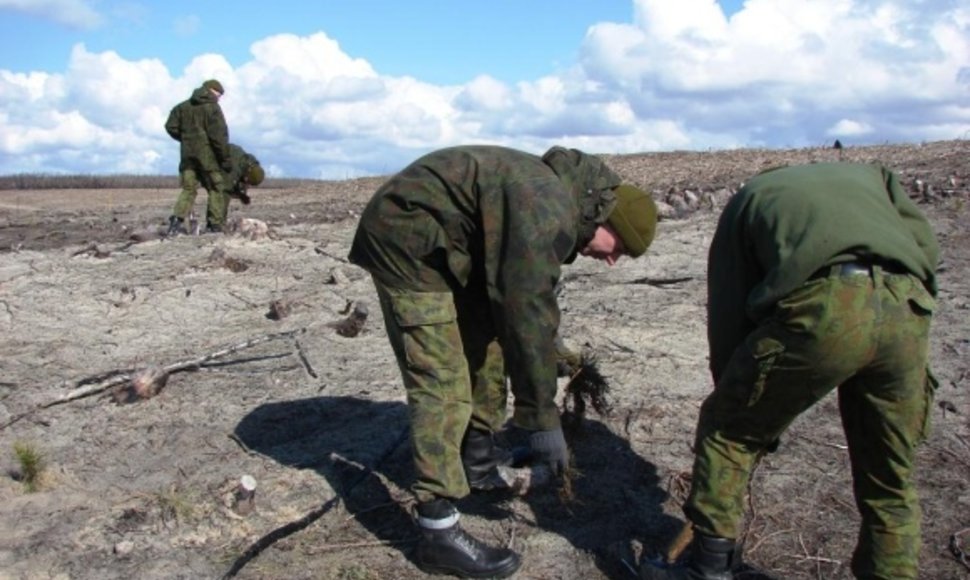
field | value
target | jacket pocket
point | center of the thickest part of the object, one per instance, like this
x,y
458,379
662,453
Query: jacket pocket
x,y
765,352
430,336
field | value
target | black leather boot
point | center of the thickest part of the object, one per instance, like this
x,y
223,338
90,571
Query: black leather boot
x,y
710,558
176,226
445,548
481,458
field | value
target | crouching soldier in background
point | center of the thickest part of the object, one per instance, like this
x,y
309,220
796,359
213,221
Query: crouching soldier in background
x,y
820,277
246,172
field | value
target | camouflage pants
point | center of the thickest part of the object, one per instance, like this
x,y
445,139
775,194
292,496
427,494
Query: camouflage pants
x,y
454,375
866,336
217,206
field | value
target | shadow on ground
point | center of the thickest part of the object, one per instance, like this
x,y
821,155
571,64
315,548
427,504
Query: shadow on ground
x,y
361,448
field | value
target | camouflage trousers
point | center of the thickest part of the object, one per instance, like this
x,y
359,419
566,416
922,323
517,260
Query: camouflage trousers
x,y
866,336
454,375
217,205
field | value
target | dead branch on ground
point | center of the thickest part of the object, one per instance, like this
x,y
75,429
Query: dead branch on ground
x,y
101,382
304,359
190,364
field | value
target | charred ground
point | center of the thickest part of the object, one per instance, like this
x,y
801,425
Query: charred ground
x,y
144,490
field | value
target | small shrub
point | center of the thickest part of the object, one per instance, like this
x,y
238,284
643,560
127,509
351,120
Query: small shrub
x,y
175,505
30,462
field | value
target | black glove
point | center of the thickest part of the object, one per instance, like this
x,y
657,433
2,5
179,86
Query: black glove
x,y
244,197
549,447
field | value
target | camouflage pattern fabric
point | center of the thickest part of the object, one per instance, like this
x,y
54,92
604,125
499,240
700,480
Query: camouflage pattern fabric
x,y
787,223
235,186
865,336
451,363
221,185
241,162
499,219
200,128
217,205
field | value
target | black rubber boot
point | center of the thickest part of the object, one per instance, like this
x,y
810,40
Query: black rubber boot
x,y
481,458
445,548
710,558
176,226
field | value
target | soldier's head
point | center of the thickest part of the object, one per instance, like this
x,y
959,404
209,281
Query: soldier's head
x,y
214,86
254,175
634,219
628,230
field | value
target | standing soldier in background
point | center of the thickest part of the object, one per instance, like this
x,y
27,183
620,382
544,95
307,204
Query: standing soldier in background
x,y
820,277
465,247
200,127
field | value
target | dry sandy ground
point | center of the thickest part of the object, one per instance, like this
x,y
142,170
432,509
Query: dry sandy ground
x,y
145,490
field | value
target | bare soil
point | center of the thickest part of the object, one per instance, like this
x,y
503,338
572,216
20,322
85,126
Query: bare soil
x,y
263,384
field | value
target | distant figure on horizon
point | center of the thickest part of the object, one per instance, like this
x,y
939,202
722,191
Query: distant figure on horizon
x,y
200,127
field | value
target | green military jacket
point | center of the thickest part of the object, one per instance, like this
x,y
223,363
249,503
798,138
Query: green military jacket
x,y
503,217
241,162
199,125
785,224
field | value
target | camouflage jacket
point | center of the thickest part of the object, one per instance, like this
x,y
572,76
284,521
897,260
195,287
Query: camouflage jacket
x,y
785,224
241,162
507,218
199,125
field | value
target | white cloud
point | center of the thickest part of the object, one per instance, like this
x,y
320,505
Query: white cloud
x,y
485,92
849,128
681,75
780,72
70,13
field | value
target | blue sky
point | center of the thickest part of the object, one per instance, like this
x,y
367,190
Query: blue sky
x,y
337,89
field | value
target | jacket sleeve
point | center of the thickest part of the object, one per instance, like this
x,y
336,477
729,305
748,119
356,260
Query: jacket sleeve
x,y
218,134
173,126
917,224
530,233
732,273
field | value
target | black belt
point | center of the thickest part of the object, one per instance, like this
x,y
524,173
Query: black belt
x,y
857,269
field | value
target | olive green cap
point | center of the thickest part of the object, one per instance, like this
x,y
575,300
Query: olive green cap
x,y
634,219
214,85
255,174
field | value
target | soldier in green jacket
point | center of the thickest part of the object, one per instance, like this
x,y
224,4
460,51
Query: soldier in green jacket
x,y
200,127
820,277
246,172
465,247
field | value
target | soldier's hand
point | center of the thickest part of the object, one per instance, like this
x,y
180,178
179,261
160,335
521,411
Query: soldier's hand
x,y
244,197
550,447
226,166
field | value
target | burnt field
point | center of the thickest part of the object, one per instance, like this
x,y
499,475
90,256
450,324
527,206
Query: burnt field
x,y
261,382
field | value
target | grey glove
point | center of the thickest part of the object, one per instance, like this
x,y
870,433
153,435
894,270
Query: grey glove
x,y
549,447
